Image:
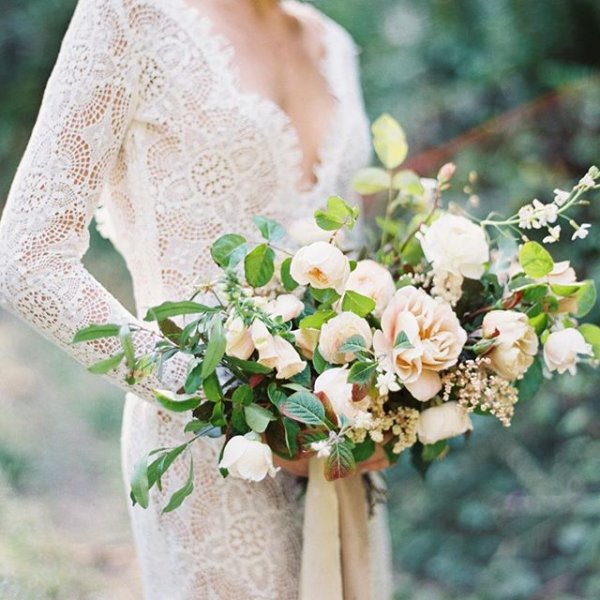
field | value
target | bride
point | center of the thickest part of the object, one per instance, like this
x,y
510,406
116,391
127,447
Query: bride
x,y
174,121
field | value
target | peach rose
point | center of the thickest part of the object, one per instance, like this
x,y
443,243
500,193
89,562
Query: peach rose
x,y
339,330
561,350
275,352
239,340
516,342
434,340
374,281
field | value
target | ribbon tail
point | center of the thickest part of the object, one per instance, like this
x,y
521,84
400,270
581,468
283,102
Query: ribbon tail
x,y
321,573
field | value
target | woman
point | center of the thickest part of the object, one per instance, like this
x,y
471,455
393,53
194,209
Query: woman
x,y
175,121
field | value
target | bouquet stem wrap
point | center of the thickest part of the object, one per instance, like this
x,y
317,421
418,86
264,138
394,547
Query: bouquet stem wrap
x,y
335,556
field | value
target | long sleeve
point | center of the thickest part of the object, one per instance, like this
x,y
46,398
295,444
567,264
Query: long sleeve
x,y
87,106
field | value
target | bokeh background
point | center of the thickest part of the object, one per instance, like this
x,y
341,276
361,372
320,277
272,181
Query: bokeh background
x,y
508,88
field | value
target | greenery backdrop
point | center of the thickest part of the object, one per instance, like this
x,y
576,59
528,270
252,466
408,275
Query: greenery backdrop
x,y
508,88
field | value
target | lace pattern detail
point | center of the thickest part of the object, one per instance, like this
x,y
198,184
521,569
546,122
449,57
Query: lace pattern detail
x,y
142,124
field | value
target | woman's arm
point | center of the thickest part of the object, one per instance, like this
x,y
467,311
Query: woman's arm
x,y
88,103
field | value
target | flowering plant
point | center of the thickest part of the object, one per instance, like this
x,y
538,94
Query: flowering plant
x,y
329,351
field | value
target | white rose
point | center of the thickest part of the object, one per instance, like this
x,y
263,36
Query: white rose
x,y
456,245
434,335
246,457
443,422
561,350
516,342
286,306
275,352
307,340
239,339
321,265
339,330
371,279
334,384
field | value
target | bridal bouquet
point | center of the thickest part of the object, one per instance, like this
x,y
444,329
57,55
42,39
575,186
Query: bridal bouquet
x,y
329,351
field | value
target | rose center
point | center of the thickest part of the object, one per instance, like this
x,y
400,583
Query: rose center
x,y
318,275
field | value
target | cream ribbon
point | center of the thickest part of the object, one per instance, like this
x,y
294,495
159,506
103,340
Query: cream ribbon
x,y
335,554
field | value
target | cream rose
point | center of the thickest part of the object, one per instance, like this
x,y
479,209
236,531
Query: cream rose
x,y
307,340
321,265
434,340
246,457
516,342
334,384
561,350
339,330
286,306
456,245
275,352
371,279
443,422
239,339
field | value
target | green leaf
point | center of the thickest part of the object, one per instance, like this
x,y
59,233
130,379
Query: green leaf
x,y
127,345
356,343
304,407
535,293
317,320
238,419
531,382
243,395
408,182
432,451
139,483
340,462
364,450
292,429
167,400
228,250
215,349
319,363
389,141
104,366
337,215
591,334
259,266
258,418
159,466
174,309
327,296
361,372
402,342
248,366
96,332
371,180
193,380
565,290
535,259
180,495
212,388
276,396
218,415
196,425
269,229
357,303
289,283
539,323
586,298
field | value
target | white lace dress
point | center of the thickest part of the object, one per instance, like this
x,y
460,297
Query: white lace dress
x,y
143,123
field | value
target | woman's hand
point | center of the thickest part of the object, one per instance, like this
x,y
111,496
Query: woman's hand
x,y
299,467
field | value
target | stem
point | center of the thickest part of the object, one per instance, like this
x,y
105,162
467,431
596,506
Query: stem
x,y
436,205
388,211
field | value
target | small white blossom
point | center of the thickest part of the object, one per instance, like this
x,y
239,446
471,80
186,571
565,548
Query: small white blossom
x,y
526,216
587,181
537,215
581,232
553,235
387,382
363,420
560,197
322,448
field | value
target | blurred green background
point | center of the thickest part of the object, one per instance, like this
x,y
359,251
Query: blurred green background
x,y
508,88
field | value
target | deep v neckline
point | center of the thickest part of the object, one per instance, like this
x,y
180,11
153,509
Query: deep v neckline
x,y
226,52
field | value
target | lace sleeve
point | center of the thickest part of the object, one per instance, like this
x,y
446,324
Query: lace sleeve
x,y
87,105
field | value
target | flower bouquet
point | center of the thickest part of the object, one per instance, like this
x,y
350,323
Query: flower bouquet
x,y
322,350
